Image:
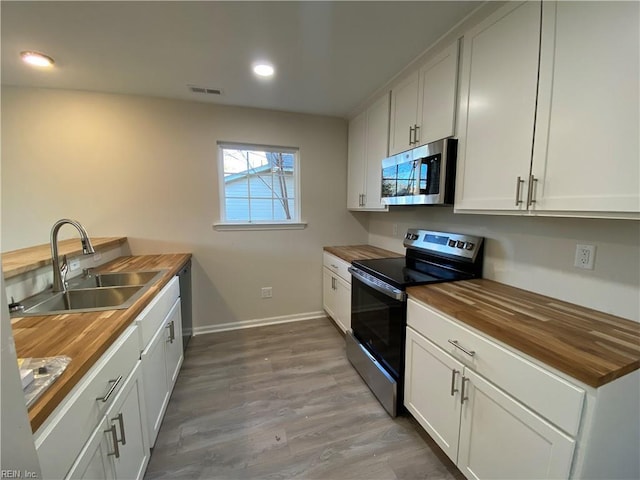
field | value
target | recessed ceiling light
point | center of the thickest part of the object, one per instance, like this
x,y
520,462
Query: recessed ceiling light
x,y
263,69
37,59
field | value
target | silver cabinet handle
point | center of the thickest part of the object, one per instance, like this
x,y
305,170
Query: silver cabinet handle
x,y
415,133
453,381
463,397
120,419
334,266
172,332
364,199
116,450
455,343
518,188
114,384
410,135
532,190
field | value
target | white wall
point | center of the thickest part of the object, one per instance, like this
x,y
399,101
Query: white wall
x,y
145,168
537,253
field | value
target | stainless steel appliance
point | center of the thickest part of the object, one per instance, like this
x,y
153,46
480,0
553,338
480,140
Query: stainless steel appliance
x,y
376,345
186,310
422,176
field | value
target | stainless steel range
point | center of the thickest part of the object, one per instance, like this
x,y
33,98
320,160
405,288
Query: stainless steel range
x,y
376,344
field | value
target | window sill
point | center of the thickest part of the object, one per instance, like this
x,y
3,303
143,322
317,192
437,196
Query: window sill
x,y
224,226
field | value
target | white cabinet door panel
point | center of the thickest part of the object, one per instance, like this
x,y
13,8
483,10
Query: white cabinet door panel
x,y
497,108
587,143
432,383
500,438
94,462
343,304
356,161
173,344
376,151
404,114
156,387
437,97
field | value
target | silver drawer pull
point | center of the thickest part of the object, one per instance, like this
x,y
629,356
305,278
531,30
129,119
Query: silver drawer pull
x,y
463,397
172,332
120,419
116,450
453,381
114,384
455,343
334,266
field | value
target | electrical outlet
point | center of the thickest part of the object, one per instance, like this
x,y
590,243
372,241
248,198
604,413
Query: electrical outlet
x,y
74,264
267,292
585,256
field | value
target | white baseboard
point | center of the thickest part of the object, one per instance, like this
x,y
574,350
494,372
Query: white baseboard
x,y
260,322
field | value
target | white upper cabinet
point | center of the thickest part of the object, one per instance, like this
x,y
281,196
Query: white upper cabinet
x,y
423,106
586,155
496,115
548,118
368,146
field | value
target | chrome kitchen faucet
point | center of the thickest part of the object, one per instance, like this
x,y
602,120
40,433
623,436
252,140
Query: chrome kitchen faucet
x,y
60,271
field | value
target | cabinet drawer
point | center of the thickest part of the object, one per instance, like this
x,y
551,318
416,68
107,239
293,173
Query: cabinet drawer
x,y
63,435
549,395
337,266
154,314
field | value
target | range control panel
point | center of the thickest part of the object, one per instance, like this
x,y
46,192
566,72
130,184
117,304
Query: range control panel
x,y
456,244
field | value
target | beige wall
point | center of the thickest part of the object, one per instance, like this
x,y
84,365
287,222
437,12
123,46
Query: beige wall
x,y
145,168
537,253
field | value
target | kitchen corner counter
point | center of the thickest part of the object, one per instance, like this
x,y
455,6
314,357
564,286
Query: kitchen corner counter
x,y
349,253
590,346
84,337
25,260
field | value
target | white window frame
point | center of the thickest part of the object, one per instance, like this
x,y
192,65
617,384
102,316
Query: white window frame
x,y
294,224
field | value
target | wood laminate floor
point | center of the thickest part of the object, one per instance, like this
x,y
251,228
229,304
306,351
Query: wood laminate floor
x,y
281,402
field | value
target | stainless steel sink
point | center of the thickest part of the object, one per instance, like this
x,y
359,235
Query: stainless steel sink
x,y
91,293
87,300
116,279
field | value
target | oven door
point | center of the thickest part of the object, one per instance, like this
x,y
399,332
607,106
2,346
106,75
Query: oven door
x,y
378,320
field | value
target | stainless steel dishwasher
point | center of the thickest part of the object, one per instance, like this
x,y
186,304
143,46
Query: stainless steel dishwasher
x,y
185,303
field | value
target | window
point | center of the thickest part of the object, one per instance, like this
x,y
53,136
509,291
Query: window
x,y
259,186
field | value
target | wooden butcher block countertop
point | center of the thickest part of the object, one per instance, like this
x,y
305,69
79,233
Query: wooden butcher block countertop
x,y
25,260
349,253
84,337
588,345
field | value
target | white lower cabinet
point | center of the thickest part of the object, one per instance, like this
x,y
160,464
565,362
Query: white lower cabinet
x,y
336,290
486,431
118,447
498,413
162,355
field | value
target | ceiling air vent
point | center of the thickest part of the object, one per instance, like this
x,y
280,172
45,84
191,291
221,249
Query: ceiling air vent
x,y
205,90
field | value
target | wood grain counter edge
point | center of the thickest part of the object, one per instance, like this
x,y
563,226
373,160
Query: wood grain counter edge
x,y
89,334
590,346
17,262
349,253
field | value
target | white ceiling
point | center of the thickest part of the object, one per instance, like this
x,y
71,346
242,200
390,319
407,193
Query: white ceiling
x,y
329,56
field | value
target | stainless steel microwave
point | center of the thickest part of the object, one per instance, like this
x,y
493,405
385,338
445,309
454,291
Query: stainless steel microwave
x,y
422,176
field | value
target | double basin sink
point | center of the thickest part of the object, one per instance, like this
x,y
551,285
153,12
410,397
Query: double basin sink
x,y
94,292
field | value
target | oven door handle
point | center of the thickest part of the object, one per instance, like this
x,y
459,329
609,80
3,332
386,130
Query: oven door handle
x,y
381,287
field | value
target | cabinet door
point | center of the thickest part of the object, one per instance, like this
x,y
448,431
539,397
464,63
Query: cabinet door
x,y
94,461
497,108
377,149
500,438
404,114
173,344
343,304
156,386
328,292
356,161
587,144
127,416
431,390
437,97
